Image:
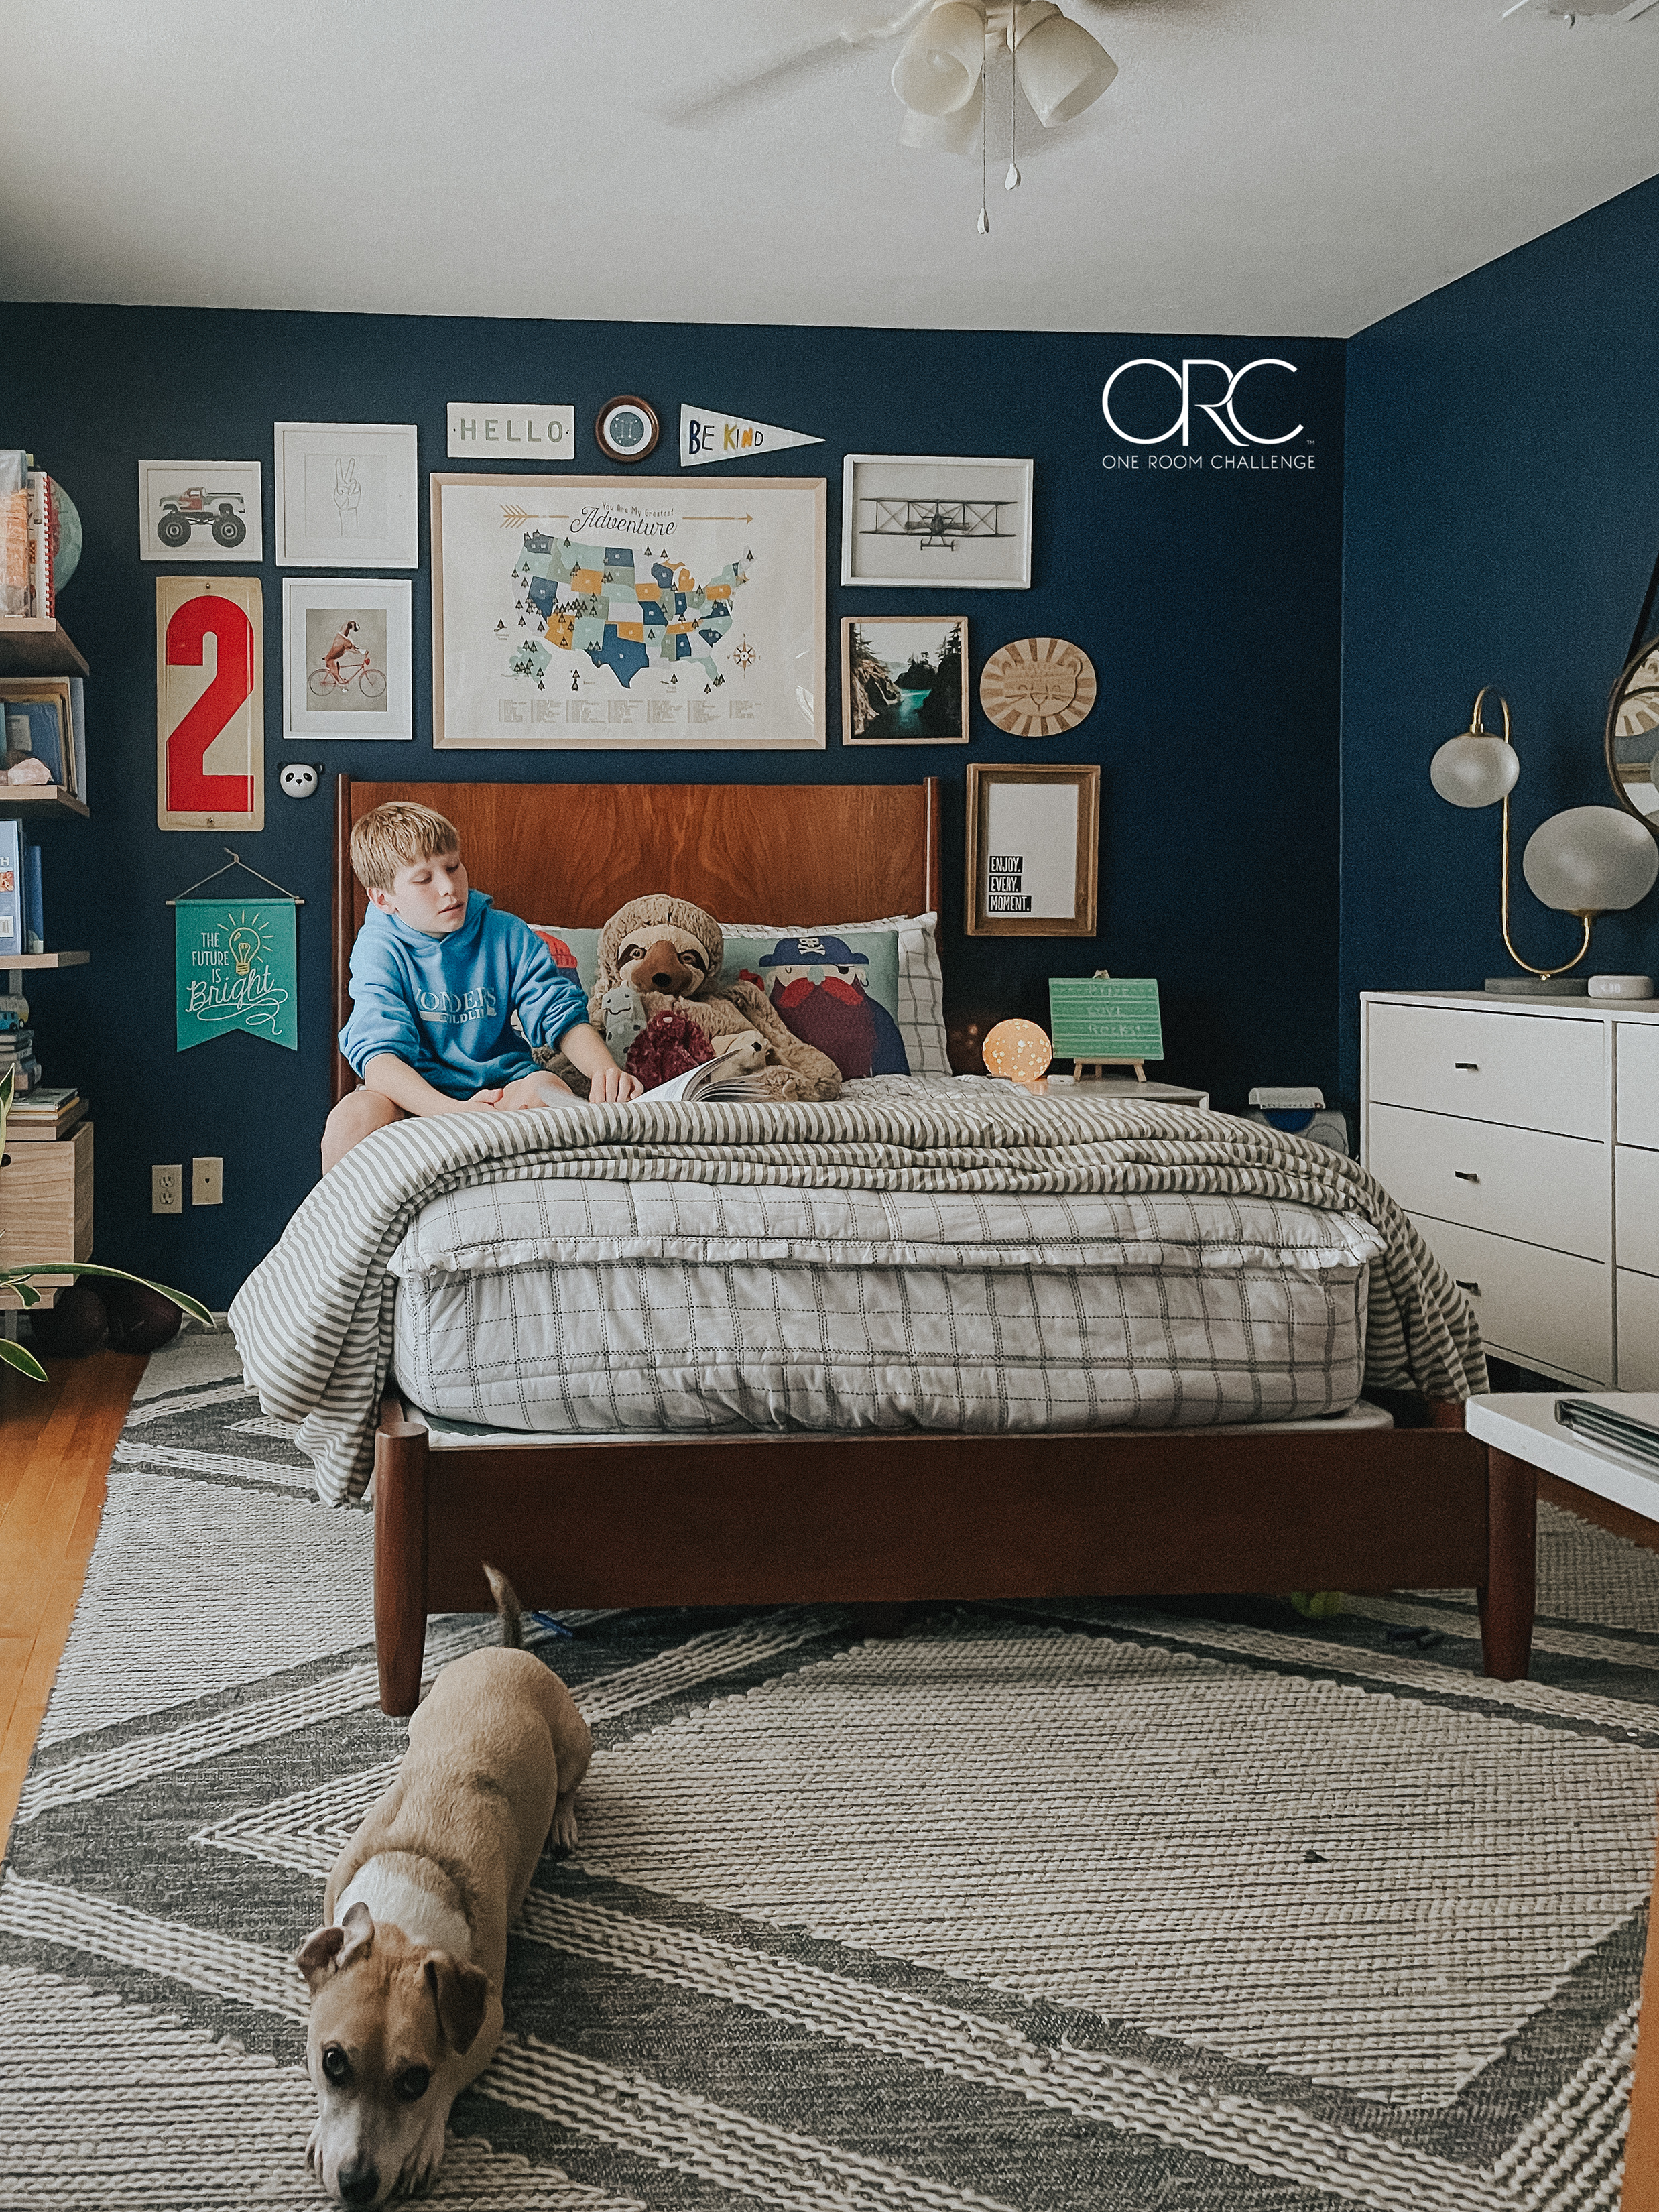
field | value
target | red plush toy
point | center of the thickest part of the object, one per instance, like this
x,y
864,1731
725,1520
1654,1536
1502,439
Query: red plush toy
x,y
669,1045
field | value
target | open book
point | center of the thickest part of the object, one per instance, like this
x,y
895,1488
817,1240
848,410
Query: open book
x,y
714,1080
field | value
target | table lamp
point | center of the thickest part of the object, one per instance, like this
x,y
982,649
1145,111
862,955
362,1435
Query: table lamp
x,y
1018,1051
1587,861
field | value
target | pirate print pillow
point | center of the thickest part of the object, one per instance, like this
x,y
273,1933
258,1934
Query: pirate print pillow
x,y
840,995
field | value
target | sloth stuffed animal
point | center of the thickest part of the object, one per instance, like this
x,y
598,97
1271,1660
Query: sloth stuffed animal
x,y
671,952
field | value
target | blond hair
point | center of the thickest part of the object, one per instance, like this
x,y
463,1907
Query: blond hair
x,y
395,836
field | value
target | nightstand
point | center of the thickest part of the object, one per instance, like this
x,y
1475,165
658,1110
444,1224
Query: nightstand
x,y
1523,1139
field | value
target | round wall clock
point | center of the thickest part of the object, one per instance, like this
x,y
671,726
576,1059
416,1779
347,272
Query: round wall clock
x,y
627,429
1037,687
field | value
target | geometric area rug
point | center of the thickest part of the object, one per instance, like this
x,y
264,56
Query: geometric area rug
x,y
1190,1907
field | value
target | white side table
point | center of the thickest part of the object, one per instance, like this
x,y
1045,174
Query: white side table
x,y
1522,1435
1522,1422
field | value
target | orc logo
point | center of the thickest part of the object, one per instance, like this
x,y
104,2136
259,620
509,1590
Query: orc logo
x,y
1222,412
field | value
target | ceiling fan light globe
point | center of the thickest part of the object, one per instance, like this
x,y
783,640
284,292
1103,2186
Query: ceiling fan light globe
x,y
1062,69
1475,770
939,66
956,133
1591,860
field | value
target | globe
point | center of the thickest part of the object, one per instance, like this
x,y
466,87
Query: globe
x,y
67,558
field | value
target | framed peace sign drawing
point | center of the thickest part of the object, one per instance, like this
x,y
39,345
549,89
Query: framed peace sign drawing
x,y
1037,687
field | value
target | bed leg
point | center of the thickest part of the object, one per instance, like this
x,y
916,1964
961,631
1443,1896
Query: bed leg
x,y
1512,1588
399,1563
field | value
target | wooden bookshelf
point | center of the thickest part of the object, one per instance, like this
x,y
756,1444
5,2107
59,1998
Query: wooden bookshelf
x,y
44,959
30,646
33,802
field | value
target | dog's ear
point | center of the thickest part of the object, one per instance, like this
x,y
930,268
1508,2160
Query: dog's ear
x,y
315,1956
359,1926
461,1994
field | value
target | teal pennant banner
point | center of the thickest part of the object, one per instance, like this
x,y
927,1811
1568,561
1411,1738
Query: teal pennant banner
x,y
234,967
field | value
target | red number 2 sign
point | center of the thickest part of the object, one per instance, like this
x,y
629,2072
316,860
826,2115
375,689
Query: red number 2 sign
x,y
210,740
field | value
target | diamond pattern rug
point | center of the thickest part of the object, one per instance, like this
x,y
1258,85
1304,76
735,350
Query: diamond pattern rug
x,y
1157,1908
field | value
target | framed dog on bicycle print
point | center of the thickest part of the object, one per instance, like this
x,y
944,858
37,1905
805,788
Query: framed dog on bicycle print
x,y
347,667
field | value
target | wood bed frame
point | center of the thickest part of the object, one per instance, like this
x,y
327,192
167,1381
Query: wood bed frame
x,y
876,1521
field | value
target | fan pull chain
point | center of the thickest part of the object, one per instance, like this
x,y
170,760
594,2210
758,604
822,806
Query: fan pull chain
x,y
984,144
1012,177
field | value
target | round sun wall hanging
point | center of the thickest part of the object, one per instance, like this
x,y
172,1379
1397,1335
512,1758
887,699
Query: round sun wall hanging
x,y
1037,687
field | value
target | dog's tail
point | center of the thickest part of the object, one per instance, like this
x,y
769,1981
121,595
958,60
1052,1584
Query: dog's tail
x,y
508,1609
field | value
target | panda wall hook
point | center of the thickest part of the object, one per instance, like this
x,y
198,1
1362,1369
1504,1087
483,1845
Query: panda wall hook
x,y
300,779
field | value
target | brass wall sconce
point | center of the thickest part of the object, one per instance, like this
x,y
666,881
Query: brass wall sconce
x,y
1586,861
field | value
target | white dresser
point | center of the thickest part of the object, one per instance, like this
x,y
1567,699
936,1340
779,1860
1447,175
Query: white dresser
x,y
1522,1138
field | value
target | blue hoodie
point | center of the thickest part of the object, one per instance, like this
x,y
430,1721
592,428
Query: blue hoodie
x,y
441,1004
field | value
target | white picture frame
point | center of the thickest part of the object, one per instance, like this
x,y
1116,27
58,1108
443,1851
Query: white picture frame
x,y
195,511
356,683
635,614
347,495
919,522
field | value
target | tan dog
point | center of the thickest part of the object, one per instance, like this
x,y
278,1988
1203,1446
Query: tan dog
x,y
406,1974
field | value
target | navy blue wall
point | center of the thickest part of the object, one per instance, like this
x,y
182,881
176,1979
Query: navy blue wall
x,y
1503,515
1208,597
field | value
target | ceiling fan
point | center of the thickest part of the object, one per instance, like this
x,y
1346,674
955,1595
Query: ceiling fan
x,y
1059,67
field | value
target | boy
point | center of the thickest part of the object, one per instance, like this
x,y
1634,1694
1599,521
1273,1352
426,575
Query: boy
x,y
436,975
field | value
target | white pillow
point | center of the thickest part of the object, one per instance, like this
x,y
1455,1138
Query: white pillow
x,y
920,979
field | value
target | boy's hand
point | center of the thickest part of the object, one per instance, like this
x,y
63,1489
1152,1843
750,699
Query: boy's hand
x,y
484,1098
612,1086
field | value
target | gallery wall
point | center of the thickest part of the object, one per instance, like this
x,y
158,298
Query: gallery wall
x,y
1503,518
1206,594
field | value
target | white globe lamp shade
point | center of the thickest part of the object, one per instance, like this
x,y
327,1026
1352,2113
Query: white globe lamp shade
x,y
1591,860
942,59
1474,770
956,133
1062,69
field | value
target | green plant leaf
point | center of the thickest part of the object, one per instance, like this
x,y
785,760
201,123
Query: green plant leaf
x,y
15,1278
14,1355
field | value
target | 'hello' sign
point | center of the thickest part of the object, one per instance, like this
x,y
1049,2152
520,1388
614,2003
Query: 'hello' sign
x,y
491,428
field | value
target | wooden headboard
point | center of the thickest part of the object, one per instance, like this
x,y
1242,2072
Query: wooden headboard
x,y
746,852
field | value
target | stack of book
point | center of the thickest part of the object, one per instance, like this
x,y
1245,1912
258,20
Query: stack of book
x,y
22,912
44,1116
28,543
17,1054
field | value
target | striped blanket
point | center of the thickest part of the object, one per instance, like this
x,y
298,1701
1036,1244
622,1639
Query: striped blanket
x,y
314,1321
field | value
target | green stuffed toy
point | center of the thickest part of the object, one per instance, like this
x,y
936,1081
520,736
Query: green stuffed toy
x,y
1317,1605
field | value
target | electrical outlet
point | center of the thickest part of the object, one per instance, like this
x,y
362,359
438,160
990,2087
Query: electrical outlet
x,y
167,1189
207,1182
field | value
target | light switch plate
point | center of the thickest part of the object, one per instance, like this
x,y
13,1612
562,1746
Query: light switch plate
x,y
207,1182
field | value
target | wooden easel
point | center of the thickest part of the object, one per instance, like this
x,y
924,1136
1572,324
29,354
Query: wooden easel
x,y
1094,1067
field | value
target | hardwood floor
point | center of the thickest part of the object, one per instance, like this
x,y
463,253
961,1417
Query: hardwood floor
x,y
56,1439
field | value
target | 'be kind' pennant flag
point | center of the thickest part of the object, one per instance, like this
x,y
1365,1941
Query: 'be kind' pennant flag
x,y
707,436
236,965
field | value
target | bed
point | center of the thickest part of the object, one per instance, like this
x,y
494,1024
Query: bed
x,y
1384,1495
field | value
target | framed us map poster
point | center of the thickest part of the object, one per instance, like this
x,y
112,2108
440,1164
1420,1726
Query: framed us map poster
x,y
630,615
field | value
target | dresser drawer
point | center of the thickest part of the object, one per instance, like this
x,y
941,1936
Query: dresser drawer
x,y
1638,1331
1542,1309
1637,1045
1635,1208
1532,1073
1516,1182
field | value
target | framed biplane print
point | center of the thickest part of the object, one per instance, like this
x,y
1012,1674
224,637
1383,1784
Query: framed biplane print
x,y
936,523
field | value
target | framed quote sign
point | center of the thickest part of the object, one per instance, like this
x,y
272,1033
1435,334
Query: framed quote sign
x,y
210,703
1033,850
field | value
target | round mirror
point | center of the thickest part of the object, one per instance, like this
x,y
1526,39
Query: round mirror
x,y
1632,732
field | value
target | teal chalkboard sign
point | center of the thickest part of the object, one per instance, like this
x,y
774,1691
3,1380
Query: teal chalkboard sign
x,y
1104,1017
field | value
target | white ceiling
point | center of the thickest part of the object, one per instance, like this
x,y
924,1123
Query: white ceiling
x,y
1297,167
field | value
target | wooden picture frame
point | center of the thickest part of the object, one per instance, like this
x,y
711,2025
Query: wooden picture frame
x,y
529,654
906,717
1046,818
